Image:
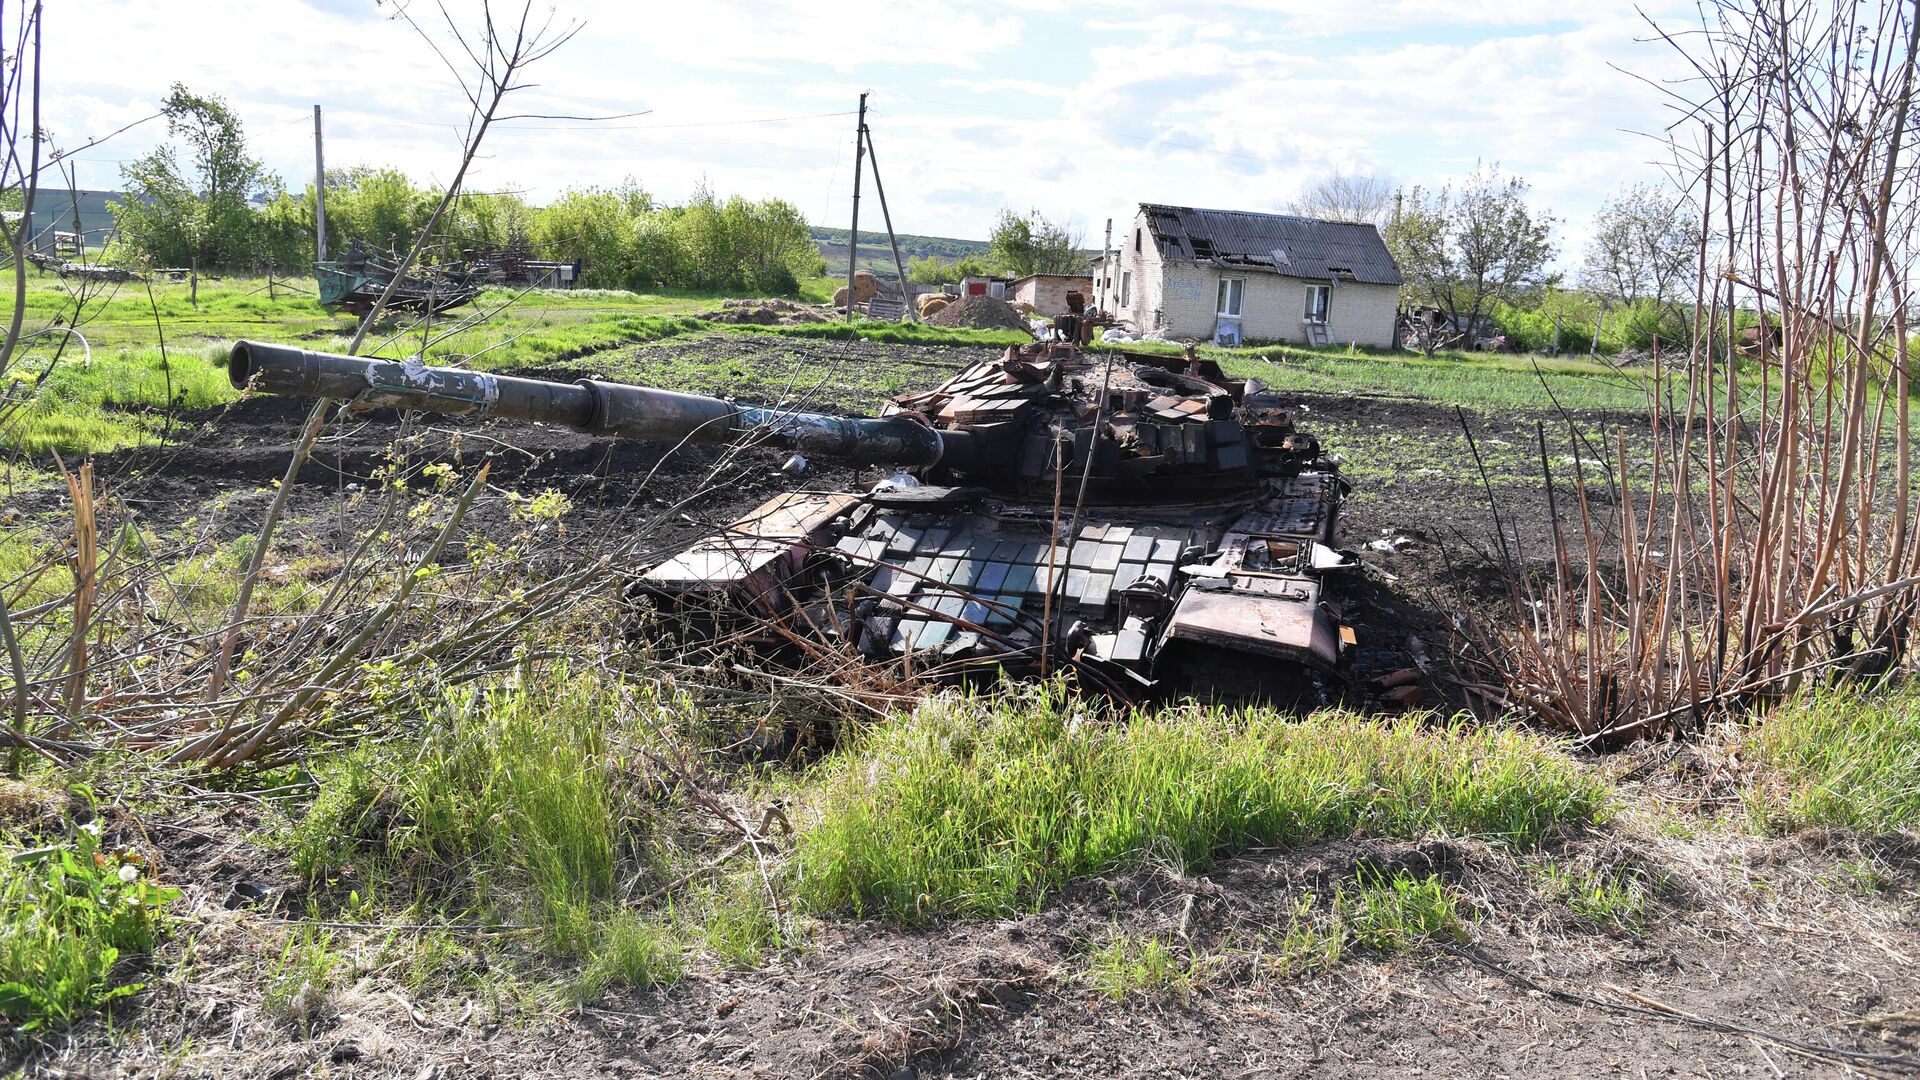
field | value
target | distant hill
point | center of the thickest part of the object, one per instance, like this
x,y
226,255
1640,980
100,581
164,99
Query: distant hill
x,y
876,256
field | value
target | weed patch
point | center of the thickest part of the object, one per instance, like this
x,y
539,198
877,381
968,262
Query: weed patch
x,y
632,952
302,979
70,914
1602,897
1398,913
1131,965
1306,945
969,806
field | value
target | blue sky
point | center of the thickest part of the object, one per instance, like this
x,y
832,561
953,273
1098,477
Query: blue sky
x,y
1077,110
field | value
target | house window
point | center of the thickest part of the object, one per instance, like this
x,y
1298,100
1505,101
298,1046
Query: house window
x,y
1136,241
1319,298
1126,287
1231,289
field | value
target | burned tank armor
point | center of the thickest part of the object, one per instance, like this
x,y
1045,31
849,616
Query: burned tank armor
x,y
1148,518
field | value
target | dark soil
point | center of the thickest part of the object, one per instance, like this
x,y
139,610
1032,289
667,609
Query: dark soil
x,y
1741,933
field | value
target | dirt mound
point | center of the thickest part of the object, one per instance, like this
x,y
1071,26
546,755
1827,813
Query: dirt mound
x,y
763,313
980,313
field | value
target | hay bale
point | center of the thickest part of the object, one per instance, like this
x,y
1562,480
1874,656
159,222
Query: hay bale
x,y
1023,307
933,305
865,286
840,297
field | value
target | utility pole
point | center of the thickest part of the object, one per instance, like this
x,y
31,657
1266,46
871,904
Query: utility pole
x,y
319,193
887,216
853,234
1106,265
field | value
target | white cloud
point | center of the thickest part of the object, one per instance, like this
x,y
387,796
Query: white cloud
x,y
1074,109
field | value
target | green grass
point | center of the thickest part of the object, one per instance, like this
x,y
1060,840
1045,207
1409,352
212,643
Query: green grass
x,y
1603,897
631,952
971,806
1135,965
900,333
301,980
1398,913
504,806
87,406
1483,382
1307,945
1848,757
737,920
71,917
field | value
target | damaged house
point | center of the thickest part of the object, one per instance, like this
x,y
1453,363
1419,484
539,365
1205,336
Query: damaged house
x,y
1232,275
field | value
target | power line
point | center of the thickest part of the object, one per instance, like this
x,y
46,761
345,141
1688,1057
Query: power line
x,y
630,127
698,124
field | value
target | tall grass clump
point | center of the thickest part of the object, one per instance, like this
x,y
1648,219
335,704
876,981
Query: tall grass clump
x,y
503,805
986,806
1845,757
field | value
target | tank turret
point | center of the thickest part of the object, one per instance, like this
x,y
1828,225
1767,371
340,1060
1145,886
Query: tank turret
x,y
1148,518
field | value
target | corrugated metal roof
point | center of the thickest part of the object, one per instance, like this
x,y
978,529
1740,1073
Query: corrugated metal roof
x,y
1280,243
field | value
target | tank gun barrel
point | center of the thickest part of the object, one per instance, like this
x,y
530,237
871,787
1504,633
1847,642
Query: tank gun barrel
x,y
592,406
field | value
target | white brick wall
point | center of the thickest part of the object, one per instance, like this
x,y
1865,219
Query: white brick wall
x,y
1048,292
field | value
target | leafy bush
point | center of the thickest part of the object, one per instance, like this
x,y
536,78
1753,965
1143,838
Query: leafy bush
x,y
934,270
975,806
68,915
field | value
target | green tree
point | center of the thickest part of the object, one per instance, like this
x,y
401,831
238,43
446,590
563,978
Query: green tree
x,y
379,207
188,201
285,231
772,246
711,262
741,244
1464,251
1031,244
601,227
934,270
1643,257
490,220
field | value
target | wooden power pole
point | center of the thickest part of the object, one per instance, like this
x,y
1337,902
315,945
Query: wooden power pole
x,y
319,192
880,189
853,234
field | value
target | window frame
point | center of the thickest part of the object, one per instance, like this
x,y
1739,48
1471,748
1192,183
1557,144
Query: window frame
x,y
1234,288
1126,288
1325,314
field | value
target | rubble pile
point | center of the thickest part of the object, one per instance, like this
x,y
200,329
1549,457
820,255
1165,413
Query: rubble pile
x,y
980,313
763,313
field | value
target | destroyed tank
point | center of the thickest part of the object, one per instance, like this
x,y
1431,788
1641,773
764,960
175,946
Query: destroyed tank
x,y
1146,520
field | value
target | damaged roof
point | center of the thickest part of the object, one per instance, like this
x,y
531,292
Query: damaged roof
x,y
1280,243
